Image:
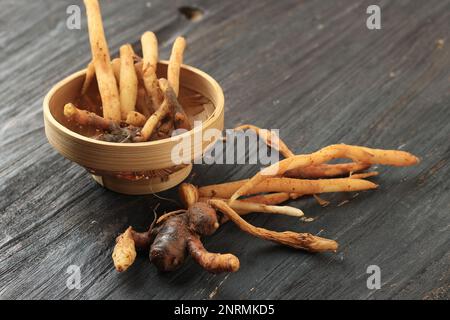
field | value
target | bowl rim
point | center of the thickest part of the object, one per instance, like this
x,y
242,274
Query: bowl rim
x,y
218,109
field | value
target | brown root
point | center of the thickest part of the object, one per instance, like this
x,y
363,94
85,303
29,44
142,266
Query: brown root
x,y
171,238
168,250
202,219
182,121
86,118
211,262
295,240
144,103
180,118
166,127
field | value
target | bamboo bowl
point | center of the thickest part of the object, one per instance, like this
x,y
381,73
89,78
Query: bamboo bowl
x,y
127,167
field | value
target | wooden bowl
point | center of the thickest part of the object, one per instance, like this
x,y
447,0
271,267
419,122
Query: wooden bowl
x,y
135,168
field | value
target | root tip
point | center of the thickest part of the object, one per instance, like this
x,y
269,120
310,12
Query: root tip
x,y
69,110
234,263
233,198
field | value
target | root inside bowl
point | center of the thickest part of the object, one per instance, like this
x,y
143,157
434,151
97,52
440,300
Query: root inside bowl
x,y
132,165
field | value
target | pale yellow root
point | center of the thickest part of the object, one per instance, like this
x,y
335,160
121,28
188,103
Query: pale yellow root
x,y
149,63
303,241
309,172
152,88
115,64
304,187
364,175
270,198
140,74
247,207
135,119
86,118
188,194
149,50
356,153
287,185
225,190
153,121
100,54
265,203
326,170
222,190
175,62
128,81
270,138
124,252
90,74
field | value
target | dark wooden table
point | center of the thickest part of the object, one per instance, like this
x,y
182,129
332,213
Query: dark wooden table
x,y
310,68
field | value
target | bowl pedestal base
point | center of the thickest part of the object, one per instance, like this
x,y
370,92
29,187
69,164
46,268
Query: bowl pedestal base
x,y
143,186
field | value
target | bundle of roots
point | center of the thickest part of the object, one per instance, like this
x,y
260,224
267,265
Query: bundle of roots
x,y
177,234
135,105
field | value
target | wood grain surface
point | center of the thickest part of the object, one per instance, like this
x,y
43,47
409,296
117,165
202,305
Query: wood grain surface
x,y
311,69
